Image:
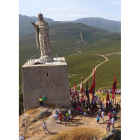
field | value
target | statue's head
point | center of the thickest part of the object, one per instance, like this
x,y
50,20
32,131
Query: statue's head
x,y
40,16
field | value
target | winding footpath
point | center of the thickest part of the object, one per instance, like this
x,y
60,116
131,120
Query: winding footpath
x,y
77,52
106,59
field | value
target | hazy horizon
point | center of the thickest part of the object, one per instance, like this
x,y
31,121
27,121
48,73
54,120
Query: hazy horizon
x,y
70,20
70,10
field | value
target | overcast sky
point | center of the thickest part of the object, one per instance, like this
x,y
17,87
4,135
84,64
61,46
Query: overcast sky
x,y
67,10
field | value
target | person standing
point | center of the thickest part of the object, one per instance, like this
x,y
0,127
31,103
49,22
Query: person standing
x,y
83,101
109,115
98,119
41,101
71,119
44,100
68,115
55,117
59,113
84,114
109,125
21,137
99,111
112,122
102,115
78,96
45,128
88,110
107,129
65,120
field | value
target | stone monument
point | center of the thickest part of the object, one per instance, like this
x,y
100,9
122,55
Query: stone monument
x,y
42,38
49,77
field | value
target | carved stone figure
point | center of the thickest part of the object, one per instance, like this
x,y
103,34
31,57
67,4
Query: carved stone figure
x,y
42,38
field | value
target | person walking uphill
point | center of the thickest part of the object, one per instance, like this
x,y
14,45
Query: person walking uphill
x,y
41,101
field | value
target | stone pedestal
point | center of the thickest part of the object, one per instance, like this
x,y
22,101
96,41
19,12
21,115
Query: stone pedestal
x,y
49,79
46,58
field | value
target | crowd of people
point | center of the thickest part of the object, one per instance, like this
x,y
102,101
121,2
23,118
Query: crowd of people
x,y
86,107
66,117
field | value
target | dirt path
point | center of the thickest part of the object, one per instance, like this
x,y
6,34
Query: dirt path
x,y
77,51
106,59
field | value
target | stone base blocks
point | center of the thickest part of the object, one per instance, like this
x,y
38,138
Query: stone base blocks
x,y
49,79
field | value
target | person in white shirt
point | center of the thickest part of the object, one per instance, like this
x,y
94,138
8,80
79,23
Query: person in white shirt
x,y
102,115
21,137
99,111
45,127
112,122
55,117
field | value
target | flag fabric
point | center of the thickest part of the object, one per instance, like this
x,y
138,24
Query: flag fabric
x,y
113,87
82,89
87,91
92,89
107,97
112,93
114,84
74,86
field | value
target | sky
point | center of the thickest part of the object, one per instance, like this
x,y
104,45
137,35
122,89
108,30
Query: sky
x,y
68,10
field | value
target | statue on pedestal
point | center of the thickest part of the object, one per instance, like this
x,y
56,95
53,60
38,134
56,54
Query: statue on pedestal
x,y
42,38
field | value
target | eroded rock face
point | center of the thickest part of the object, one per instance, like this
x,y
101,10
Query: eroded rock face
x,y
114,134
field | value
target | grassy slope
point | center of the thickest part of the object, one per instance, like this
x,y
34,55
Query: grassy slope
x,y
80,66
105,72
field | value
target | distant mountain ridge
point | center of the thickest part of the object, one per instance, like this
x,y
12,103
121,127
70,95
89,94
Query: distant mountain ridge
x,y
26,29
110,25
25,26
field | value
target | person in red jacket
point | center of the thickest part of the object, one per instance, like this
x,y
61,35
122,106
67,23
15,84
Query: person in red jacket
x,y
109,123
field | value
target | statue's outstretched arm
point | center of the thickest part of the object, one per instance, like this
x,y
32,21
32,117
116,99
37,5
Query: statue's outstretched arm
x,y
35,26
37,35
